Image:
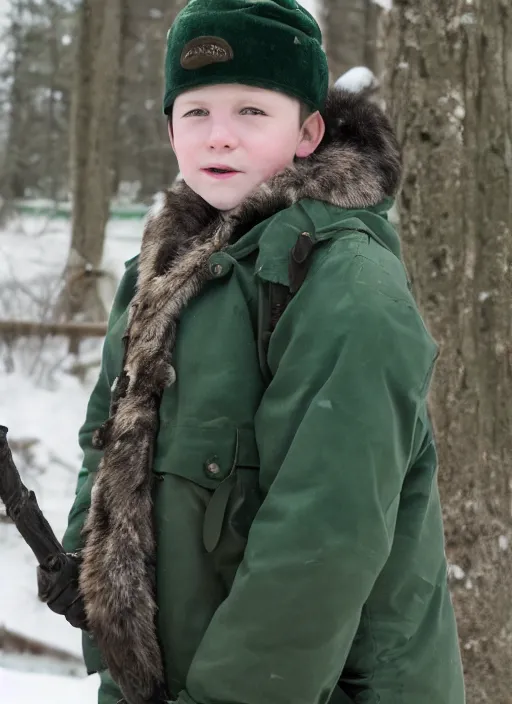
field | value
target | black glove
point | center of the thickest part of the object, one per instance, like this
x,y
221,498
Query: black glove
x,y
57,583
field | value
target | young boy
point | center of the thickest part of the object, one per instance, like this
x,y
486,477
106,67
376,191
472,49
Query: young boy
x,y
265,524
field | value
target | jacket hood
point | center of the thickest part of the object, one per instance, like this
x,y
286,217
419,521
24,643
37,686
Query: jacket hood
x,y
358,162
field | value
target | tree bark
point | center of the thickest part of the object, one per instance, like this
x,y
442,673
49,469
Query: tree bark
x,y
94,116
11,182
52,134
350,34
449,91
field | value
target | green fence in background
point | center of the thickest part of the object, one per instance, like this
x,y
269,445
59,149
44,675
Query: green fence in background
x,y
50,209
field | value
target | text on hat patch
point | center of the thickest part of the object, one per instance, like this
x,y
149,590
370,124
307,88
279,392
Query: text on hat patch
x,y
203,51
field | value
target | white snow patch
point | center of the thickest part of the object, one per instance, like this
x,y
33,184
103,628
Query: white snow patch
x,y
471,644
460,112
483,296
27,688
356,79
385,4
503,542
43,664
456,572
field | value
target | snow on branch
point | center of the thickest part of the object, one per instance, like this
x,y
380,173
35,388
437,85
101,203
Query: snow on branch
x,y
385,4
357,79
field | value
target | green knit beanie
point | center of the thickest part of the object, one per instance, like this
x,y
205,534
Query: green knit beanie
x,y
267,43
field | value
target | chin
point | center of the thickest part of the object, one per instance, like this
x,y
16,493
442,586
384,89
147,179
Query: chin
x,y
223,203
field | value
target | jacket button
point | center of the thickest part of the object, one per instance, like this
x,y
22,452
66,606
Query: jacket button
x,y
216,269
212,468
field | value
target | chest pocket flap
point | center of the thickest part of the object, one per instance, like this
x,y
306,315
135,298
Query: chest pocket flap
x,y
220,459
205,455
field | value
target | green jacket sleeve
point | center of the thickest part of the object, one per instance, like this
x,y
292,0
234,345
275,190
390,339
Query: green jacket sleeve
x,y
335,432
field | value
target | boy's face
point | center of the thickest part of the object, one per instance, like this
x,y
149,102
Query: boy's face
x,y
229,139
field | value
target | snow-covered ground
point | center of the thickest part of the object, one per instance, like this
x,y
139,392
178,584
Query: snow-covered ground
x,y
29,688
43,404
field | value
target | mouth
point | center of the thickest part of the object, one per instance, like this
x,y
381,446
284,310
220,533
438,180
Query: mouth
x,y
220,172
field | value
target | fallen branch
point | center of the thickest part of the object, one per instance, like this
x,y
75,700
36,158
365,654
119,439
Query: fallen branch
x,y
23,328
11,642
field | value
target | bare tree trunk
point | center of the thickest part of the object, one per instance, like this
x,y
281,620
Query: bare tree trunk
x,y
94,116
350,31
372,19
170,163
449,90
11,182
51,137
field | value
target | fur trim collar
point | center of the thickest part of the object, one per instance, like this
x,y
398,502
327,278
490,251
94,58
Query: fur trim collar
x,y
356,165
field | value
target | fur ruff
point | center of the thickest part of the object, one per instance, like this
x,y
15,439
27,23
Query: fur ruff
x,y
356,165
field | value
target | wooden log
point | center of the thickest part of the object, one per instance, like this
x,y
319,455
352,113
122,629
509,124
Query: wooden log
x,y
24,328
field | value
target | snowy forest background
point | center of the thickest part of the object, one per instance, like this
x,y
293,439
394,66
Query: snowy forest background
x,y
83,154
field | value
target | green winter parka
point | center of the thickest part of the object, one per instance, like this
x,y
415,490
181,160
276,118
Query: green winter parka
x,y
298,530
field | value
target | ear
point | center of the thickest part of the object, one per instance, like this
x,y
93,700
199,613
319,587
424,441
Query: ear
x,y
169,132
311,135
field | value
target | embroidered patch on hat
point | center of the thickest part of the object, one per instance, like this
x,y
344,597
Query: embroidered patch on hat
x,y
203,51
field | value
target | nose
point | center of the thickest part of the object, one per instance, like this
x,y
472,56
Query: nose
x,y
222,136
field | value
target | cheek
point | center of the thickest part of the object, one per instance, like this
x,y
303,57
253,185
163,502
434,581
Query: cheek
x,y
184,148
276,154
